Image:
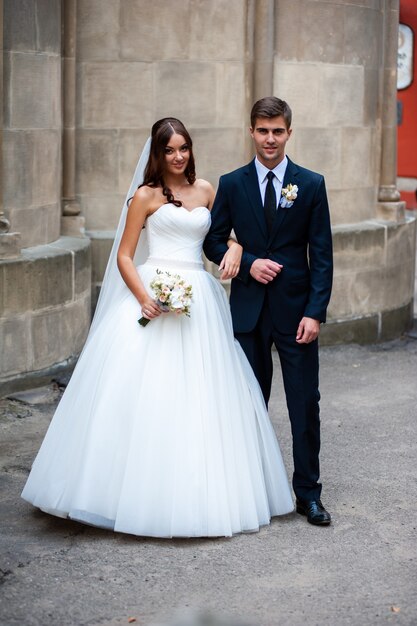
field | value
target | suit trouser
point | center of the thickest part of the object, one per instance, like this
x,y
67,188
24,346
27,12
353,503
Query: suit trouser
x,y
300,372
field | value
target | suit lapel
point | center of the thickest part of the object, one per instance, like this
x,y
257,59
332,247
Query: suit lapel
x,y
251,185
291,174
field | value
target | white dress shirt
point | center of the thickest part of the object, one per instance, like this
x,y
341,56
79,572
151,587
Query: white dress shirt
x,y
277,181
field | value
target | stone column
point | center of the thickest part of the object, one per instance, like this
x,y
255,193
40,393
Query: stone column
x,y
72,223
389,207
263,49
9,242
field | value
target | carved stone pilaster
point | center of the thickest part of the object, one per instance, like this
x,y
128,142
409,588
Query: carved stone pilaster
x,y
263,49
388,192
71,222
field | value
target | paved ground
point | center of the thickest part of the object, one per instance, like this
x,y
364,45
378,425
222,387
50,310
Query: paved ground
x,y
360,571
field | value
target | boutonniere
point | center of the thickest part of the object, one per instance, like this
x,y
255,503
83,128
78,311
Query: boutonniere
x,y
289,194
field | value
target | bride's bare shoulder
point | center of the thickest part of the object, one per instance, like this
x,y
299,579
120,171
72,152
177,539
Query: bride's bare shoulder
x,y
204,185
145,193
145,198
206,190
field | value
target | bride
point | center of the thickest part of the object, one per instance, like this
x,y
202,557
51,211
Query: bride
x,y
162,430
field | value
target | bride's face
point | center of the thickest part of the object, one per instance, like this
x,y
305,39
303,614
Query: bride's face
x,y
177,155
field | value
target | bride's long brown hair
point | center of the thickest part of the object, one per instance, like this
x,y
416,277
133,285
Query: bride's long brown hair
x,y
162,132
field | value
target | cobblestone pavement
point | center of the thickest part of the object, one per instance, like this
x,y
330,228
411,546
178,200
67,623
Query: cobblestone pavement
x,y
360,571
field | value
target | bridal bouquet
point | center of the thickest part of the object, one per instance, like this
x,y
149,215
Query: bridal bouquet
x,y
172,294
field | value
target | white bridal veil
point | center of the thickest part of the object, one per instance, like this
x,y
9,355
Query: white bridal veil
x,y
113,287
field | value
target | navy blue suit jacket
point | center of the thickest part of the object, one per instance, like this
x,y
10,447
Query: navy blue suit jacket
x,y
300,240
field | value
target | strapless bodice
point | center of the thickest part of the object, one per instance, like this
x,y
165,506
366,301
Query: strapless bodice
x,y
176,233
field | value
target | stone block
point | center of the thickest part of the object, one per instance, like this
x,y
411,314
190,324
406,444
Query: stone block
x,y
97,152
298,84
19,25
217,151
341,95
41,277
17,168
363,36
319,149
399,285
151,31
82,270
102,212
287,30
217,30
46,167
59,333
391,211
32,169
117,95
232,86
320,32
37,225
396,322
361,330
334,92
401,244
73,225
357,247
10,245
15,345
175,81
345,207
131,143
79,249
358,167
48,25
98,30
34,91
101,245
358,294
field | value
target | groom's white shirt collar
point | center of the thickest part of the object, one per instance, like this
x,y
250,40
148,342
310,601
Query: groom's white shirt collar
x,y
279,172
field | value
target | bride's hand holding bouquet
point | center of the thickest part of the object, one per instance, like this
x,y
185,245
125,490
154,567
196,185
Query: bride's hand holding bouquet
x,y
150,310
172,295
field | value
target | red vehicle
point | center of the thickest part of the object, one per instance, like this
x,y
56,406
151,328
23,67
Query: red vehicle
x,y
407,103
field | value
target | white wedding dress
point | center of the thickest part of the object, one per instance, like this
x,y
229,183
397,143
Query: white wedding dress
x,y
162,430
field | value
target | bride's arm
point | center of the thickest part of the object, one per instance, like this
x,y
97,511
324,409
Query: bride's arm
x,y
230,263
136,216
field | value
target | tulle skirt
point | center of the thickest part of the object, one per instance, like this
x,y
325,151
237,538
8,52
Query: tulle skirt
x,y
163,431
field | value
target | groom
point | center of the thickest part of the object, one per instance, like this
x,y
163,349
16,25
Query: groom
x,y
280,215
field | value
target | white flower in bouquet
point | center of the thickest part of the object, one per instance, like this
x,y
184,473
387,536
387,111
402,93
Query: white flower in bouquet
x,y
172,294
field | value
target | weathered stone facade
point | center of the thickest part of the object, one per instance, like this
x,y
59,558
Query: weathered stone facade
x,y
122,64
45,278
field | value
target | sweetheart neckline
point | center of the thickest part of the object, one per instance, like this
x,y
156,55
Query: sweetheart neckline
x,y
180,207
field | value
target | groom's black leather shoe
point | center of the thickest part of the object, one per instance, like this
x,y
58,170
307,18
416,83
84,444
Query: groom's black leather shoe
x,y
314,510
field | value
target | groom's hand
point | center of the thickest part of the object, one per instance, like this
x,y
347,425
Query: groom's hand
x,y
308,330
265,270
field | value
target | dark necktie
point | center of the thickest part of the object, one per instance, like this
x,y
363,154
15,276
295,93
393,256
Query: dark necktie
x,y
270,204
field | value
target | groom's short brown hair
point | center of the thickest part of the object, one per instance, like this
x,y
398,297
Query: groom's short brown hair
x,y
271,107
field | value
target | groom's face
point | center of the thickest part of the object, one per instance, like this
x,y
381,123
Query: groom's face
x,y
270,136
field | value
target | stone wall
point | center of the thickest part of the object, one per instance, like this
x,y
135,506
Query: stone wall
x,y
32,119
45,284
45,311
139,61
